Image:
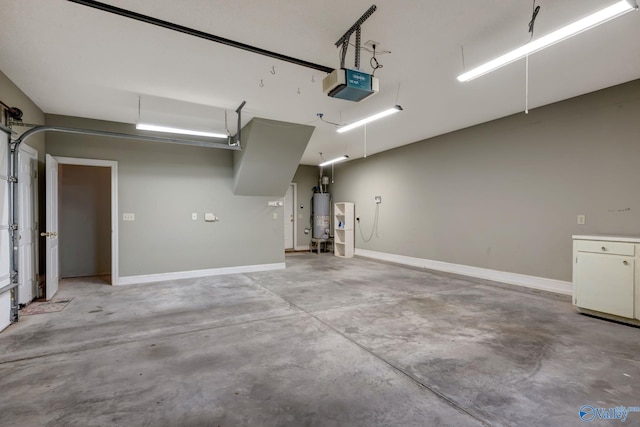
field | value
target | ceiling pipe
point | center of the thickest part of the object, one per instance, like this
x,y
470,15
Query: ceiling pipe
x,y
149,138
201,34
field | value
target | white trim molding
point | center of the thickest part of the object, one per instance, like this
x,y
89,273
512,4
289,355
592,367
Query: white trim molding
x,y
533,282
179,275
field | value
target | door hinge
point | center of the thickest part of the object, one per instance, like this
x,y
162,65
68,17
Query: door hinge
x,y
13,227
13,179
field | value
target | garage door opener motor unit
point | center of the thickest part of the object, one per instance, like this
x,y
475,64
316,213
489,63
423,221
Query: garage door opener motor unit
x,y
351,85
346,83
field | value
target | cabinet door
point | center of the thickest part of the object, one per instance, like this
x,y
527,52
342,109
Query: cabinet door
x,y
605,283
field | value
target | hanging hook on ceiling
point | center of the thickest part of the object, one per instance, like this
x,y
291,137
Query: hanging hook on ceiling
x,y
534,15
261,83
299,91
273,70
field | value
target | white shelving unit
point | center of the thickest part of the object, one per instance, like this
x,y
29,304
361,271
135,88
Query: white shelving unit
x,y
343,237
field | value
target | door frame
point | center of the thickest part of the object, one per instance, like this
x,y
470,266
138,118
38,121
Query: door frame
x,y
294,201
113,165
32,154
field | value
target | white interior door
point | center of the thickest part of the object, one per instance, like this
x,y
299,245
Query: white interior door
x,y
289,218
51,235
27,160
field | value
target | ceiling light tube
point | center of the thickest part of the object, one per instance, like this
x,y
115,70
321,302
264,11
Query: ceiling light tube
x,y
369,119
336,160
593,20
143,126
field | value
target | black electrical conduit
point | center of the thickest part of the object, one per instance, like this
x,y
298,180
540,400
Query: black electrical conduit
x,y
196,33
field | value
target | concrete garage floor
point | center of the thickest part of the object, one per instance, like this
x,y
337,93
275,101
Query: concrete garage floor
x,y
326,342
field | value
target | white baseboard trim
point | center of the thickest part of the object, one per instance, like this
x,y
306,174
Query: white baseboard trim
x,y
178,275
533,282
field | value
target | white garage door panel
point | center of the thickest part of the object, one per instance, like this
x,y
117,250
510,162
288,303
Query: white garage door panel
x,y
4,153
5,310
5,298
4,188
4,255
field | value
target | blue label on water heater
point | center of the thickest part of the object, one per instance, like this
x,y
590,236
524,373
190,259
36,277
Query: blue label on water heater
x,y
358,80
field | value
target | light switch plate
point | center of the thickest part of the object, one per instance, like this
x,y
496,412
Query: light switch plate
x,y
581,219
194,216
275,215
128,217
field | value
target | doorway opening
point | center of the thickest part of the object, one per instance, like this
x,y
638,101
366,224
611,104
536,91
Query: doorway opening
x,y
82,221
84,209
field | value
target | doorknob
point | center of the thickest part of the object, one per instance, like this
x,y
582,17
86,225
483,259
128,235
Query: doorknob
x,y
47,234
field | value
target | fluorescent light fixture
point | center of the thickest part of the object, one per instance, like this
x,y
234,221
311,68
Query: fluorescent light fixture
x,y
563,33
336,160
142,126
364,121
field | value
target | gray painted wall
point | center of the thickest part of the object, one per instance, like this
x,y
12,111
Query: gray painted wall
x,y
505,195
85,220
162,184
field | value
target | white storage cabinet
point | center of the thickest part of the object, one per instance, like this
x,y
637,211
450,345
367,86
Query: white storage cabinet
x,y
606,277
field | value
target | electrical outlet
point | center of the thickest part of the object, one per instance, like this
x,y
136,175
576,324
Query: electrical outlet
x,y
581,219
275,215
128,217
194,216
378,200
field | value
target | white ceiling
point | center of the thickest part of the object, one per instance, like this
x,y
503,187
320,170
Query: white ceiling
x,y
74,60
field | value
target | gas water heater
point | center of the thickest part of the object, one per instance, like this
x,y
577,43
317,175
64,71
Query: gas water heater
x,y
321,210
